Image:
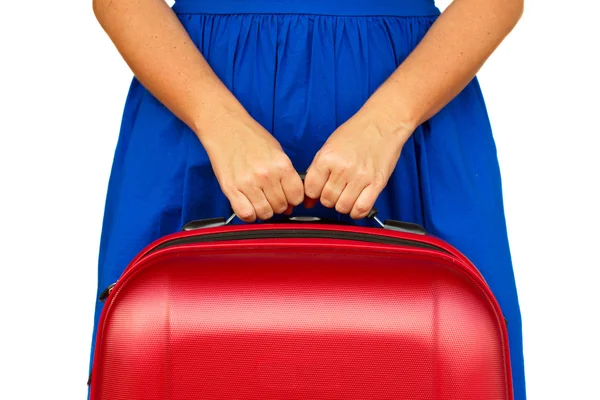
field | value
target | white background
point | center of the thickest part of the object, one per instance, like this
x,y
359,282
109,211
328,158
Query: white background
x,y
62,90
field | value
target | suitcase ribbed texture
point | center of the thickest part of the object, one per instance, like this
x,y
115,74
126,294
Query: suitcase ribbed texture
x,y
304,319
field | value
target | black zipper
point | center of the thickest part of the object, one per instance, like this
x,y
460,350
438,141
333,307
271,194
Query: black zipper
x,y
285,234
294,234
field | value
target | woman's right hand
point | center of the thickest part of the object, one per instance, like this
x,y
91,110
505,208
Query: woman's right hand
x,y
253,171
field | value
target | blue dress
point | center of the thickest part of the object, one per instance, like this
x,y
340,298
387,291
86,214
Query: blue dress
x,y
301,68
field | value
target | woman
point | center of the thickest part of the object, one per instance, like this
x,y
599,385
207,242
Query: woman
x,y
376,99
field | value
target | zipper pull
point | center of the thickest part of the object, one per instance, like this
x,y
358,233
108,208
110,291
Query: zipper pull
x,y
106,292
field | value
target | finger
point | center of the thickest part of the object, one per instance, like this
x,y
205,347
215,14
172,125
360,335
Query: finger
x,y
332,190
293,188
259,201
275,196
242,207
315,180
365,202
349,196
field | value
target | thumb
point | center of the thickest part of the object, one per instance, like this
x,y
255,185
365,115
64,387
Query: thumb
x,y
315,181
242,207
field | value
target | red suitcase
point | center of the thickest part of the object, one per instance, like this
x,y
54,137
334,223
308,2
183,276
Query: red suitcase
x,y
301,311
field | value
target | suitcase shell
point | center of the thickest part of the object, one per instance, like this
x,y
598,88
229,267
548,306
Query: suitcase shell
x,y
299,311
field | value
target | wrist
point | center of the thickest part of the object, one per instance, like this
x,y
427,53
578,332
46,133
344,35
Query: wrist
x,y
388,121
213,112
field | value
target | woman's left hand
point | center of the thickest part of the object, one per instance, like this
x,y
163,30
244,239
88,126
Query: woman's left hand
x,y
356,162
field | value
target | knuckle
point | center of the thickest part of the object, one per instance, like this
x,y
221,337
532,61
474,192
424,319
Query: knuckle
x,y
294,195
334,192
329,158
245,215
338,163
228,191
361,174
298,195
281,210
245,181
313,192
230,187
362,208
297,189
280,207
343,208
283,166
296,201
260,175
266,215
327,201
379,179
264,211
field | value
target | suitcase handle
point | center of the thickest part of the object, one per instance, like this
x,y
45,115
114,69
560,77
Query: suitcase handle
x,y
371,215
394,225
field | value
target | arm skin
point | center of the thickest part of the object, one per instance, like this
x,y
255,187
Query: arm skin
x,y
256,176
356,162
253,171
162,56
446,60
159,51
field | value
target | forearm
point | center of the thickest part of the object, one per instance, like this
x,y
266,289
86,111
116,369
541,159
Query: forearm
x,y
446,60
164,59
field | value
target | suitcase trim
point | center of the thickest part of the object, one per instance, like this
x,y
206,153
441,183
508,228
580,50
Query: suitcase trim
x,y
427,245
